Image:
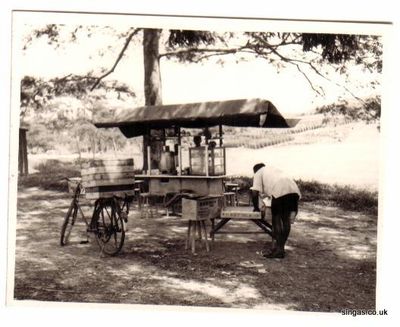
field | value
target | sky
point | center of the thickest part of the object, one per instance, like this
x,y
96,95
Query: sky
x,y
181,83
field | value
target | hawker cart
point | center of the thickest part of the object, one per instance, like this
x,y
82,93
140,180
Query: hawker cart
x,y
200,176
205,172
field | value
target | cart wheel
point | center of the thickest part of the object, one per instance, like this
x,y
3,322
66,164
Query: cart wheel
x,y
68,223
109,229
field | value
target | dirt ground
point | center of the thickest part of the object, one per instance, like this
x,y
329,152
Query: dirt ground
x,y
330,263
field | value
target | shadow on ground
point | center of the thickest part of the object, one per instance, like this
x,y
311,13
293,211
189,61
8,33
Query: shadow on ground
x,y
330,263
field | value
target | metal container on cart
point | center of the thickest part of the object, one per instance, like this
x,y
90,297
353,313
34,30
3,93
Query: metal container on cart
x,y
167,162
215,156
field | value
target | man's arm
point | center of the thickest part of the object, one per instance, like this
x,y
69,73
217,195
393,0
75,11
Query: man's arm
x,y
254,198
256,189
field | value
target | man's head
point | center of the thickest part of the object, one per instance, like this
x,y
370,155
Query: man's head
x,y
197,140
257,167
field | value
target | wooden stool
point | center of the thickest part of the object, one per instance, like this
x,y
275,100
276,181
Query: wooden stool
x,y
196,229
229,199
231,194
145,207
169,200
138,189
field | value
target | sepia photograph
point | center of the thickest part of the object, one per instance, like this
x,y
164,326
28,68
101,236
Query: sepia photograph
x,y
195,162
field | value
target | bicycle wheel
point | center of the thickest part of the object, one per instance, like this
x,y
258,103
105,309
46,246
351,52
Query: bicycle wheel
x,y
68,223
109,229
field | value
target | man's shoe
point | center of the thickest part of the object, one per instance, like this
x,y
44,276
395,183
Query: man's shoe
x,y
275,255
269,251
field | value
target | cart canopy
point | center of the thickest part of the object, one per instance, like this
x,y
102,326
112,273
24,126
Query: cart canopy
x,y
241,113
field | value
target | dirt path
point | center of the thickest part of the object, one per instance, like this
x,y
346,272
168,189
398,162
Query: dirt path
x,y
330,263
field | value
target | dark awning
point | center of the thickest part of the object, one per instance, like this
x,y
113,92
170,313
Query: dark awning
x,y
241,113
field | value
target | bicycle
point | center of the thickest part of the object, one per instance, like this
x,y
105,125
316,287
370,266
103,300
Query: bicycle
x,y
108,222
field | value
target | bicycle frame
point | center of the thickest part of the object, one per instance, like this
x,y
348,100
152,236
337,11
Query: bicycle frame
x,y
122,210
108,220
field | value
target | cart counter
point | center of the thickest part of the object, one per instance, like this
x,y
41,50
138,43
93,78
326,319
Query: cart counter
x,y
200,185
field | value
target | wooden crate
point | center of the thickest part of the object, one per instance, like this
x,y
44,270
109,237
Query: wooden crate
x,y
201,208
98,195
108,163
105,178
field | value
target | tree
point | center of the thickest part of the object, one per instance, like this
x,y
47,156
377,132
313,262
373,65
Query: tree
x,y
312,52
152,91
37,92
62,111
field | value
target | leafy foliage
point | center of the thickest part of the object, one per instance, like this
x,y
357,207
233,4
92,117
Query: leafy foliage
x,y
336,48
40,139
368,111
188,38
57,34
36,92
61,114
50,31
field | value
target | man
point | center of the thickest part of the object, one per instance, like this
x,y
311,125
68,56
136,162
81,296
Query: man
x,y
285,195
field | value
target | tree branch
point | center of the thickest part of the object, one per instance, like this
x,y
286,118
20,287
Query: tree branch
x,y
310,64
121,54
296,62
219,54
337,84
260,49
308,80
202,50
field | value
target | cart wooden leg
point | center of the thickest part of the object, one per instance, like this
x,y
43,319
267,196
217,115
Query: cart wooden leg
x,y
146,210
195,230
198,223
188,235
203,225
212,229
193,237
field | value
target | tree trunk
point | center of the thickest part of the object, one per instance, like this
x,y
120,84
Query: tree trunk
x,y
23,153
79,151
152,92
152,76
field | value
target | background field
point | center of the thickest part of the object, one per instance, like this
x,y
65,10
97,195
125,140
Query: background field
x,y
344,153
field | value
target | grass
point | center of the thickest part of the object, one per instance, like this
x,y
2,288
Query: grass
x,y
50,175
345,197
